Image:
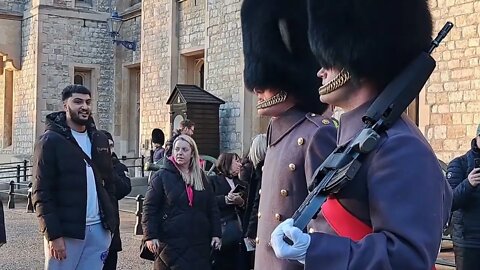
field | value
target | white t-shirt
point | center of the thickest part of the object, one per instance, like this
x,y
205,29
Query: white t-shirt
x,y
93,210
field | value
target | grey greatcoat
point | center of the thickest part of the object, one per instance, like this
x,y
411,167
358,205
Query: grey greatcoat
x,y
297,144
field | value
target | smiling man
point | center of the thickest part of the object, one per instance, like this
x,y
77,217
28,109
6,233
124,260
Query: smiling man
x,y
73,190
280,70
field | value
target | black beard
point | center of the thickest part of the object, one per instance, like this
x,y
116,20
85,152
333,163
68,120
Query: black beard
x,y
74,117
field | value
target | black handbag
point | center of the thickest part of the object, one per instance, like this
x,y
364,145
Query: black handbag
x,y
145,253
231,232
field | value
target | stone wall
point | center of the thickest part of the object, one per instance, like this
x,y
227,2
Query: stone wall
x,y
11,5
452,96
224,68
156,72
191,24
25,86
68,43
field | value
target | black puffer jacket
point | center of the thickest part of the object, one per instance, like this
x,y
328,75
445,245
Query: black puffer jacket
x,y
123,186
466,200
59,190
3,237
184,231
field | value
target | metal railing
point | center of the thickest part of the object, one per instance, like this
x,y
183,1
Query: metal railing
x,y
141,165
19,170
137,230
11,195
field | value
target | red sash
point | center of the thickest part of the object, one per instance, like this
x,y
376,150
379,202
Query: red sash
x,y
343,222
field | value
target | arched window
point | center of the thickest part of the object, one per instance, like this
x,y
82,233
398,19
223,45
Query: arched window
x,y
78,79
199,72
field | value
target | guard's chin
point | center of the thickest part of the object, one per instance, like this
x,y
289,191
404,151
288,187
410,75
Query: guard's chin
x,y
276,99
337,82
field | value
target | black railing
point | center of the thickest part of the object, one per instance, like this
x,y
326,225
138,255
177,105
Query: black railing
x,y
11,195
141,165
20,171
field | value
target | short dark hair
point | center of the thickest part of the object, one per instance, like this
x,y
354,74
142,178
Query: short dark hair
x,y
224,163
68,91
186,124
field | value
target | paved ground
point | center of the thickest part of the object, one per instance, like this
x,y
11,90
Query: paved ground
x,y
24,250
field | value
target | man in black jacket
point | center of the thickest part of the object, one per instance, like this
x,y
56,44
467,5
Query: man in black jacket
x,y
123,186
464,178
73,191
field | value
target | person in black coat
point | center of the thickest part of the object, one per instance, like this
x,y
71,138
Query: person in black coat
x,y
72,185
231,205
123,186
181,219
464,178
3,236
256,156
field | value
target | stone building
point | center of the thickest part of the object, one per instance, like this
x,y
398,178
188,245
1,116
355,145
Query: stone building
x,y
47,44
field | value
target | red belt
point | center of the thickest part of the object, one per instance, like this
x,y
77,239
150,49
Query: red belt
x,y
343,222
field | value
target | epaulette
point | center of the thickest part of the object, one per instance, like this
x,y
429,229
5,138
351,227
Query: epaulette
x,y
321,120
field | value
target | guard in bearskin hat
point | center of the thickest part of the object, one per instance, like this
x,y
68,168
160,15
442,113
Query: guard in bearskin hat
x,y
280,69
158,139
391,215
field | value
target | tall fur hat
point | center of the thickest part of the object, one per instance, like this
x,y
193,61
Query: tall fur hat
x,y
158,136
277,52
372,39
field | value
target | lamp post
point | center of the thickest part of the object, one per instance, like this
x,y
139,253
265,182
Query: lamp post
x,y
115,23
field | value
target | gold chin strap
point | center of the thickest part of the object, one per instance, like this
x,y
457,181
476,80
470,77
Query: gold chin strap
x,y
276,99
336,83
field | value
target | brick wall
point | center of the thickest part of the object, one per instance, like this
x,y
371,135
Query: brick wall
x,y
224,69
11,5
453,91
25,86
67,43
155,67
191,24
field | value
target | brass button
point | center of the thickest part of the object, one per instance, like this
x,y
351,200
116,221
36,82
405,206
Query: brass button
x,y
301,141
325,121
257,240
284,192
311,230
312,114
259,215
278,217
291,166
260,192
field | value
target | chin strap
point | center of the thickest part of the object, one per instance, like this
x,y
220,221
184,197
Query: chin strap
x,y
276,99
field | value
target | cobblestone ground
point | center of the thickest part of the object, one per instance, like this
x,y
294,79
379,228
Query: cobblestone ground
x,y
24,248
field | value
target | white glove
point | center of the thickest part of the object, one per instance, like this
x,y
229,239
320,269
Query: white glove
x,y
300,240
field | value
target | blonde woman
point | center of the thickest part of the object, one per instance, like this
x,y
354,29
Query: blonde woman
x,y
181,221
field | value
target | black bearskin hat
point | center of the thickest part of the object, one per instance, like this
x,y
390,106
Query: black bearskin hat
x,y
277,52
372,39
158,136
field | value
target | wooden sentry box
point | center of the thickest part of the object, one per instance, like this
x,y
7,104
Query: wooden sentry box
x,y
192,102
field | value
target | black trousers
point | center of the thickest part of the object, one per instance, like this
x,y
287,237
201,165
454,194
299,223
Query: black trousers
x,y
467,258
111,261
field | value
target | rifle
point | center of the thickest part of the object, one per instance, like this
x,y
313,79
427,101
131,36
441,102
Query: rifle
x,y
341,166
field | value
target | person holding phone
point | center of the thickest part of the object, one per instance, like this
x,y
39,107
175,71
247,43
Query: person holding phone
x,y
463,175
229,192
